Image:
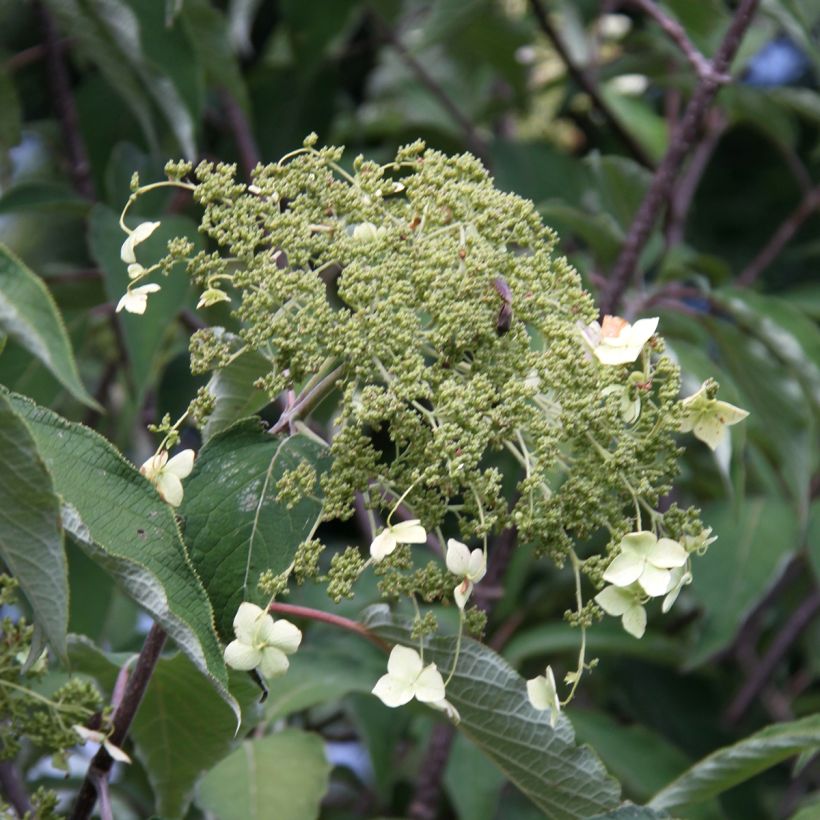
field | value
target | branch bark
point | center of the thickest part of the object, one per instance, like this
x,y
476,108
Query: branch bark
x,y
241,131
588,85
124,715
683,141
12,787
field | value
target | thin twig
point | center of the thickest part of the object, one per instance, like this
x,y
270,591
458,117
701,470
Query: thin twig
x,y
124,715
307,400
12,787
783,641
676,33
328,618
780,238
241,131
683,141
61,92
587,84
472,139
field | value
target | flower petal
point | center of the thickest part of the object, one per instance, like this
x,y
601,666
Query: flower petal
x,y
115,752
404,663
429,685
634,621
477,568
538,693
139,234
282,634
409,532
462,593
170,488
728,414
709,430
655,581
667,554
625,569
614,600
246,622
383,544
639,543
643,330
153,467
181,464
242,656
274,662
458,557
448,709
393,692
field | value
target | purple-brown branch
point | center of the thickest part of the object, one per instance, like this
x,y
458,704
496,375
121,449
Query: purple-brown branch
x,y
328,618
124,715
583,80
683,141
241,131
12,787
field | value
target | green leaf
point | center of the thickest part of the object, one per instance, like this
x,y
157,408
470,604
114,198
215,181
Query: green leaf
x,y
562,779
731,765
235,397
753,544
29,315
234,524
11,121
813,537
631,812
120,521
31,537
42,196
473,783
283,775
144,335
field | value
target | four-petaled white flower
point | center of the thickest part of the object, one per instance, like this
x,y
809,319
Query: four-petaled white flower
x,y
648,560
139,234
708,418
136,299
211,296
408,678
626,605
261,641
615,341
167,474
101,739
469,566
543,694
406,532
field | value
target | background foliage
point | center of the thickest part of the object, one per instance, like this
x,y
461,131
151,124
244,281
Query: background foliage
x,y
568,105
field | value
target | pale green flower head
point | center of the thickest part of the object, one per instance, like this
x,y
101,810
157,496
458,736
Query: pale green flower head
x,y
167,474
261,641
408,678
543,695
624,604
406,532
469,566
646,559
708,418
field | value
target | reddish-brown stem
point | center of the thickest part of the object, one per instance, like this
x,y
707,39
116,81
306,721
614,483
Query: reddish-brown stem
x,y
242,132
328,618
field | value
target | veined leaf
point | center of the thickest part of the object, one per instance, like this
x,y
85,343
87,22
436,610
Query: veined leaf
x,y
235,526
733,764
565,781
31,537
29,315
283,775
120,521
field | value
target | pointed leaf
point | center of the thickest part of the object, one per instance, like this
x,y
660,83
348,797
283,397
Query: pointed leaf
x,y
29,315
119,520
565,781
31,537
234,524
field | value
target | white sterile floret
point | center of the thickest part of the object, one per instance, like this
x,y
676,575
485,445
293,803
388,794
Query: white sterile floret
x,y
543,694
167,474
365,232
408,678
211,296
680,578
626,605
469,566
708,418
101,739
406,532
615,341
648,560
135,300
261,641
139,234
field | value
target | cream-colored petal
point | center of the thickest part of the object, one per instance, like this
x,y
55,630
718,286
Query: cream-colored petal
x,y
655,581
404,663
170,488
393,692
688,422
625,569
153,466
642,331
127,250
538,693
241,656
709,430
667,554
429,685
458,557
634,621
409,532
729,414
181,464
139,234
135,270
274,662
283,635
610,354
115,752
132,303
477,568
639,543
462,593
614,600
383,544
448,709
246,622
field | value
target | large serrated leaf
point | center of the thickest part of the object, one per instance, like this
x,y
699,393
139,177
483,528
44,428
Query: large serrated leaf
x,y
283,776
29,315
121,522
31,537
234,524
731,765
565,781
